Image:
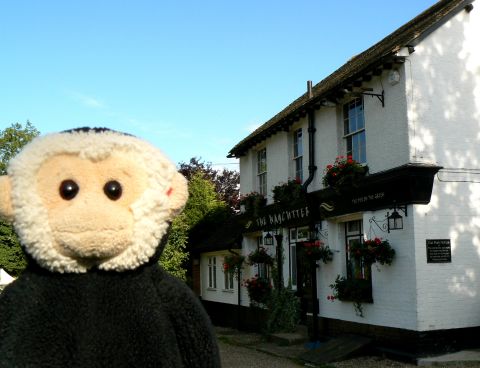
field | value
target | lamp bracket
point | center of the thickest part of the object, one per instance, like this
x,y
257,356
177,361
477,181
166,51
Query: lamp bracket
x,y
381,224
380,96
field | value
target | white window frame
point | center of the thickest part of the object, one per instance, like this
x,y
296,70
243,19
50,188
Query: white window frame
x,y
262,171
212,272
350,237
354,134
298,154
296,234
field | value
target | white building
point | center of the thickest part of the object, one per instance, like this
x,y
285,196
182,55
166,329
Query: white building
x,y
409,109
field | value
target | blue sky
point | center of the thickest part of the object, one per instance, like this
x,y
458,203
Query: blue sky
x,y
192,77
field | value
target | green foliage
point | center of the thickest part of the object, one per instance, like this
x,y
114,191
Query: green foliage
x,y
12,139
174,254
233,263
202,204
352,289
202,199
283,311
12,259
291,191
259,290
226,182
344,171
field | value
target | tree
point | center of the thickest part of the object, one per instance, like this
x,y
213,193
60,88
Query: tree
x,y
201,202
227,182
12,139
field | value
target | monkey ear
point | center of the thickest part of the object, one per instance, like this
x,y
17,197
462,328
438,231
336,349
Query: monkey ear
x,y
6,210
178,193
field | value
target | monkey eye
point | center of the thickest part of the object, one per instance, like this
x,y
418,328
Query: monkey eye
x,y
113,190
68,189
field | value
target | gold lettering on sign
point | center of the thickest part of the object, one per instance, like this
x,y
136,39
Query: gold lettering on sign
x,y
327,207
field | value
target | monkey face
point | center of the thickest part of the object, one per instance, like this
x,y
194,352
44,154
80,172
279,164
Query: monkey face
x,y
89,203
83,199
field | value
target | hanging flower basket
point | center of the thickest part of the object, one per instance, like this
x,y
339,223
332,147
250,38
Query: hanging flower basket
x,y
316,250
260,255
232,263
259,289
253,202
373,251
291,191
344,171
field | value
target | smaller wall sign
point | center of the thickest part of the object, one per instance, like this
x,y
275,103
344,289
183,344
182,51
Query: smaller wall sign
x,y
439,251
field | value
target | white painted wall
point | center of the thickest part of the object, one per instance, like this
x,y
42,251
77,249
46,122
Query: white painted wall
x,y
393,286
220,294
433,116
326,142
443,84
386,127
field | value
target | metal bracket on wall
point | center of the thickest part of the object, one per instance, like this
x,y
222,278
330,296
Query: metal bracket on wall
x,y
380,96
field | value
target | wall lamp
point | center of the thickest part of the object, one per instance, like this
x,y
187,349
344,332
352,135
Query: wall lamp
x,y
395,220
268,239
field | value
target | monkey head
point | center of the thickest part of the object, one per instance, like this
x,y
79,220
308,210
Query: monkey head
x,y
91,197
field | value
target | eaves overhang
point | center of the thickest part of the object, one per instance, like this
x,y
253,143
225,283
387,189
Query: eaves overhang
x,y
358,70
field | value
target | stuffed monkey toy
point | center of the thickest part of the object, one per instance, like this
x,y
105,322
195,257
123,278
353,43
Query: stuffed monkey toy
x,y
92,208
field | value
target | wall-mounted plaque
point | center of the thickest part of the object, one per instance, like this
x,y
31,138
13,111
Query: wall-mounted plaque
x,y
439,251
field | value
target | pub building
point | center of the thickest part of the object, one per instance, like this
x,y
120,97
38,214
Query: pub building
x,y
405,114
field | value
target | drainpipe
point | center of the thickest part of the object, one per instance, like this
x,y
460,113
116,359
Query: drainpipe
x,y
311,173
311,141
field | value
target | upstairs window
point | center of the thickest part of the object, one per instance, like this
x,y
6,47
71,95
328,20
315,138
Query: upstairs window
x,y
262,171
354,129
298,154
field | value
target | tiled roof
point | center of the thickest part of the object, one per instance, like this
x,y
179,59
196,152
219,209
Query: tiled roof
x,y
368,61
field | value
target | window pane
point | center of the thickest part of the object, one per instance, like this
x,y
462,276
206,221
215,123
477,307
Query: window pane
x,y
360,118
262,184
362,149
293,269
352,116
262,161
349,147
299,169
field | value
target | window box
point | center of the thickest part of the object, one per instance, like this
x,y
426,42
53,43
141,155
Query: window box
x,y
345,171
291,191
253,203
353,290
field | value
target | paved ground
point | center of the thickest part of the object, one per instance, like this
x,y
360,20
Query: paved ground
x,y
249,350
234,356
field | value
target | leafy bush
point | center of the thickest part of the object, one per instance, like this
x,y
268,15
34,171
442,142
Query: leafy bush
x,y
283,311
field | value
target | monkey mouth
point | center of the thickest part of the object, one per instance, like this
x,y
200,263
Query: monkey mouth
x,y
92,245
